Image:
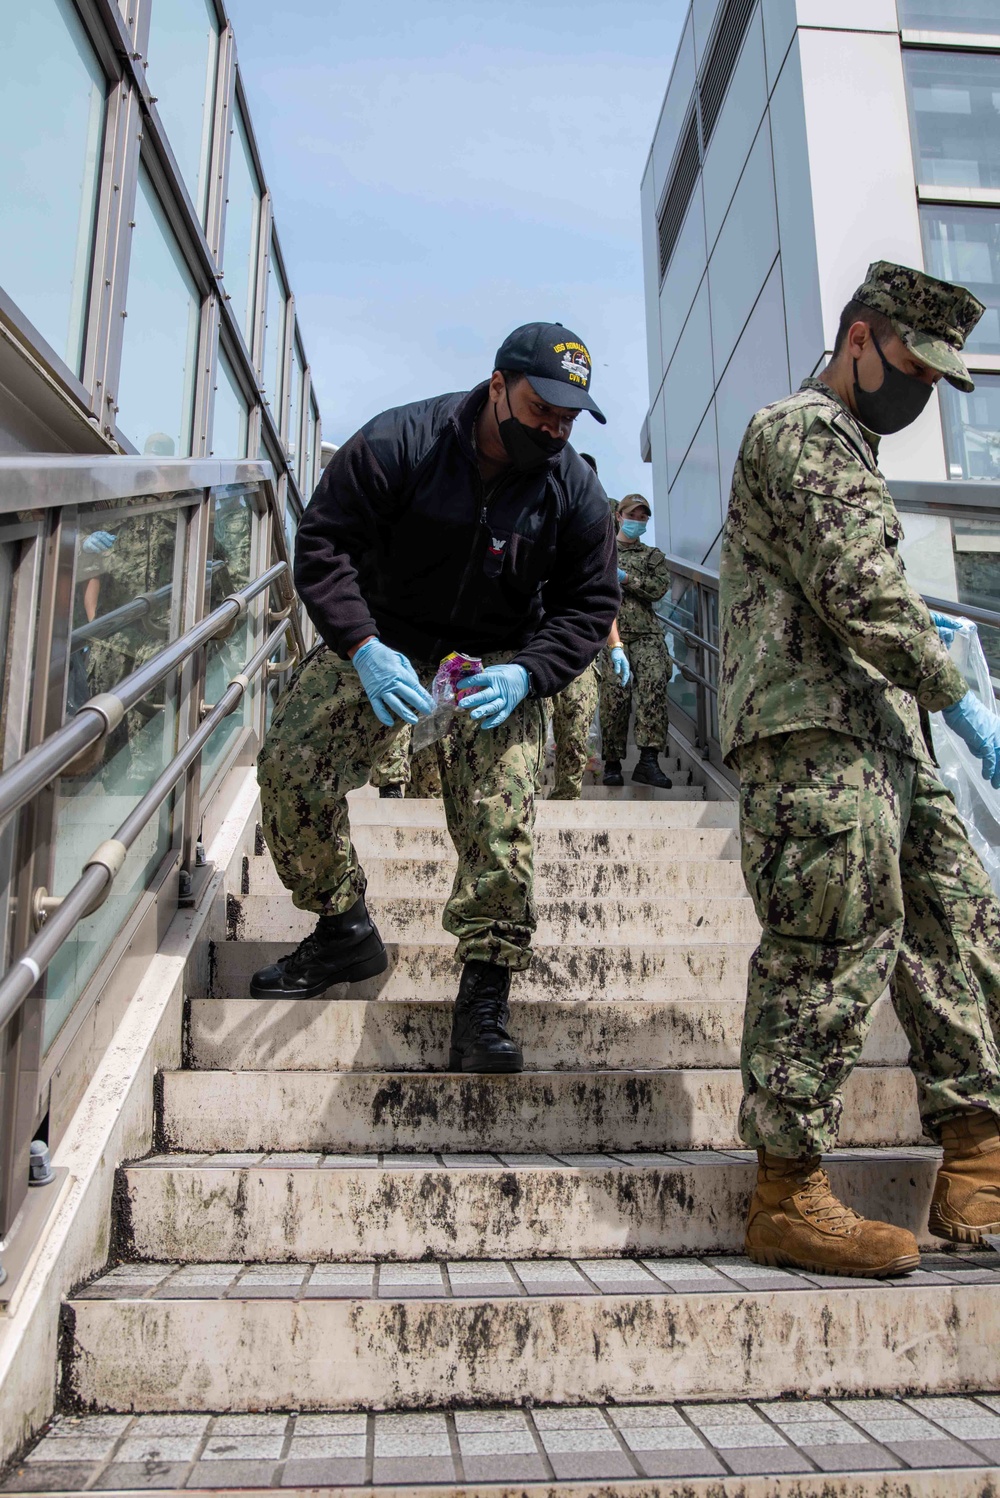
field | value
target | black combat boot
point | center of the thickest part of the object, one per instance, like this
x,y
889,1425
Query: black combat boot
x,y
613,772
648,772
479,1039
391,792
343,949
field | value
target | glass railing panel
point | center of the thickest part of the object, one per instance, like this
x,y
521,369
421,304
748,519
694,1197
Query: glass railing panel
x,y
679,610
127,604
231,555
957,558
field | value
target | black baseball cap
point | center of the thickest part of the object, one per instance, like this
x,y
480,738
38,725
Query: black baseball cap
x,y
555,363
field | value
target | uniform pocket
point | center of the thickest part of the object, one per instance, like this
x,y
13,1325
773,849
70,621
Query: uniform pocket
x,y
804,860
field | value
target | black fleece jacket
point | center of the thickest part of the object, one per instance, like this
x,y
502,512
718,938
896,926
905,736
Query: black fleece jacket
x,y
402,540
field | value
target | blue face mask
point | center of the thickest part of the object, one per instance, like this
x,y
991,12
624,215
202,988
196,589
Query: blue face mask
x,y
633,529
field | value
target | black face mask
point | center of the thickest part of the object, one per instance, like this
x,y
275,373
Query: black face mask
x,y
898,400
526,447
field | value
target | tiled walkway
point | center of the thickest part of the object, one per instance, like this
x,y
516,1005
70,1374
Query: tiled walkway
x,y
494,1278
101,1452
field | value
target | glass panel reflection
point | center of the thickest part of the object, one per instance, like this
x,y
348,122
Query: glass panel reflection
x,y
274,338
52,93
183,52
963,245
977,572
954,99
972,429
242,227
230,417
226,658
159,357
127,600
978,16
680,608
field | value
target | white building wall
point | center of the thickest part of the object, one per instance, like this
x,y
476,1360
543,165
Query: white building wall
x,y
779,232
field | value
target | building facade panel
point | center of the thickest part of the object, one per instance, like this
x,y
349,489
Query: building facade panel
x,y
735,130
650,277
759,362
796,222
848,15
779,21
687,389
675,106
658,449
683,278
696,497
744,252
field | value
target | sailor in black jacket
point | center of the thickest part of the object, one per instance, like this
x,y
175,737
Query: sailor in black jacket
x,y
462,523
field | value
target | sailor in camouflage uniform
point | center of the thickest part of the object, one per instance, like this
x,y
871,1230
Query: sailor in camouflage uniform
x,y
399,767
461,523
645,577
857,862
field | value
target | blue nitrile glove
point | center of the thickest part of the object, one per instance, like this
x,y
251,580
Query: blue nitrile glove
x,y
98,541
391,683
494,693
619,661
980,729
622,574
947,628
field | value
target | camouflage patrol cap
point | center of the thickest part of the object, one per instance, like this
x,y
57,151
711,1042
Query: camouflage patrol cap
x,y
634,499
932,317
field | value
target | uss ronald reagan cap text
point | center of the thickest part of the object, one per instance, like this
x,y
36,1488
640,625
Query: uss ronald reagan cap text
x,y
555,362
933,318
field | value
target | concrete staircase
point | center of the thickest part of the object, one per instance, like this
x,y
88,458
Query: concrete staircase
x,y
334,1224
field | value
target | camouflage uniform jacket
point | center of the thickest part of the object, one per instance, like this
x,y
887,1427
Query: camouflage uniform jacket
x,y
647,581
819,626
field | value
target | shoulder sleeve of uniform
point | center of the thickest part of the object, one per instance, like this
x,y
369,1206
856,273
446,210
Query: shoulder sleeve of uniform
x,y
833,510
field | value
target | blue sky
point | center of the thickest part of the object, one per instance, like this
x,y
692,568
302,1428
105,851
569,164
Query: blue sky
x,y
443,171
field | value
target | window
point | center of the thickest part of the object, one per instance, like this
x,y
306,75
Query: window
x,y
980,16
52,95
295,405
183,52
159,357
242,228
954,103
274,336
230,419
972,429
963,245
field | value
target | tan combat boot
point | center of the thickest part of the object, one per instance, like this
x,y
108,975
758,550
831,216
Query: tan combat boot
x,y
966,1201
795,1221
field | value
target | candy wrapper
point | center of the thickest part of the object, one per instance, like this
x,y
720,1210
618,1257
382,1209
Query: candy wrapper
x,y
446,689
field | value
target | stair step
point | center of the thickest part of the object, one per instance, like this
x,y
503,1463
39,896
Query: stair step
x,y
304,1337
405,1035
554,879
393,1207
857,1445
556,1110
559,970
418,919
368,809
619,844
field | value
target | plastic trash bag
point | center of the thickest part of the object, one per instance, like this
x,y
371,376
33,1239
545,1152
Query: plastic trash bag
x,y
447,693
961,771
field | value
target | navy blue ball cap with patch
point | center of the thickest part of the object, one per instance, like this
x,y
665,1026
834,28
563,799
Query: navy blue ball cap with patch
x,y
555,362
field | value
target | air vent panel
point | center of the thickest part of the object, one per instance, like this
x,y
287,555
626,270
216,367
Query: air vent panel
x,y
721,63
678,194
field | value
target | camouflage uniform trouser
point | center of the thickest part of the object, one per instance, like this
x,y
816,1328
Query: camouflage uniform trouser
x,y
323,741
861,875
572,712
647,655
399,766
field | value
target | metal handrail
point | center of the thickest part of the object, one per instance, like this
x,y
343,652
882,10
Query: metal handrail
x,y
137,608
104,712
94,884
963,610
